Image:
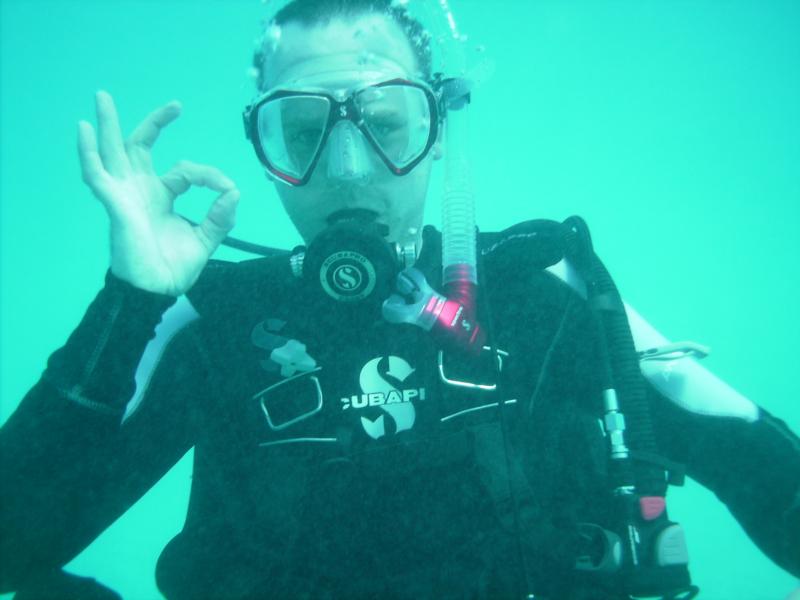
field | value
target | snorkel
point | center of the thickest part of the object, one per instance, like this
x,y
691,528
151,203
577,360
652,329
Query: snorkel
x,y
459,269
459,261
451,317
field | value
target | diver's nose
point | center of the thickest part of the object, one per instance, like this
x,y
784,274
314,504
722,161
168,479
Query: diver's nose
x,y
348,155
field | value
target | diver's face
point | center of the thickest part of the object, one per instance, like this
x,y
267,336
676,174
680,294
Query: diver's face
x,y
341,55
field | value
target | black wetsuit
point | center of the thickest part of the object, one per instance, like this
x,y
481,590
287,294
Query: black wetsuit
x,y
331,461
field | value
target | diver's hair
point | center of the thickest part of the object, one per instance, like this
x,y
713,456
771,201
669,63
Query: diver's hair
x,y
322,12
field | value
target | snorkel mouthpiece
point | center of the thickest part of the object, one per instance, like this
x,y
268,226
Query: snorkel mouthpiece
x,y
449,319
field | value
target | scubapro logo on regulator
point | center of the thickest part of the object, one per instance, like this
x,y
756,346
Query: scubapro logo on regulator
x,y
347,276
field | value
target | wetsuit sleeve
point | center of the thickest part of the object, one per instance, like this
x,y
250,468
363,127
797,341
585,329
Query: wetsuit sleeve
x,y
753,466
70,465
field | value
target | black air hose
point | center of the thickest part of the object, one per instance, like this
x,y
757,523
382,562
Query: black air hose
x,y
620,353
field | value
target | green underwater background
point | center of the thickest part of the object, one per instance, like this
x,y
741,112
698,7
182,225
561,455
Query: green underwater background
x,y
671,126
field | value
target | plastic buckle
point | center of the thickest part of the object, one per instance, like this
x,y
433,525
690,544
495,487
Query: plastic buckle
x,y
263,397
486,387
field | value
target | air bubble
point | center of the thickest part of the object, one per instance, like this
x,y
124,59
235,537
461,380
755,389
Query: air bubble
x,y
273,32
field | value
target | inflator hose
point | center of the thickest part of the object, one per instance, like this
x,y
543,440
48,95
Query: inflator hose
x,y
606,304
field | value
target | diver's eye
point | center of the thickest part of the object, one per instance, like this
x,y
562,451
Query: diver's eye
x,y
385,125
304,137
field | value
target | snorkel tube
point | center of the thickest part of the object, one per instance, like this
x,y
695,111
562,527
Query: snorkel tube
x,y
459,233
452,317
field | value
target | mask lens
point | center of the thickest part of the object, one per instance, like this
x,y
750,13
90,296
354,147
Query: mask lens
x,y
398,118
290,131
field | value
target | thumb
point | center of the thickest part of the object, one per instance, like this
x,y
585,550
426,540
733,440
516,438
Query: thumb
x,y
219,220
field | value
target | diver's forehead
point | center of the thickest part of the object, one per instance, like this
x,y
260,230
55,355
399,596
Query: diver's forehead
x,y
369,47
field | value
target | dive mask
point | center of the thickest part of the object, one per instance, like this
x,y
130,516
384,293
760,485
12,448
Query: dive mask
x,y
289,128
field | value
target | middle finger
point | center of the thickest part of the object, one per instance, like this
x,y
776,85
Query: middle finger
x,y
109,137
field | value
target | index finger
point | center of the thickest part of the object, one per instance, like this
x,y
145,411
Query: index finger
x,y
145,135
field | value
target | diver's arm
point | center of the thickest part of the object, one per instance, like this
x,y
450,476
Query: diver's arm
x,y
753,466
749,458
70,465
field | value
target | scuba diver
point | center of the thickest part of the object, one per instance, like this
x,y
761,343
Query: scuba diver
x,y
388,410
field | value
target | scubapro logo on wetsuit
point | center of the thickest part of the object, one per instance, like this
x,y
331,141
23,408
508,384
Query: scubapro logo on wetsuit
x,y
379,398
382,390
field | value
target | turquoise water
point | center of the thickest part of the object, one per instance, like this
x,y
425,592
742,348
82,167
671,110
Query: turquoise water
x,y
673,128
